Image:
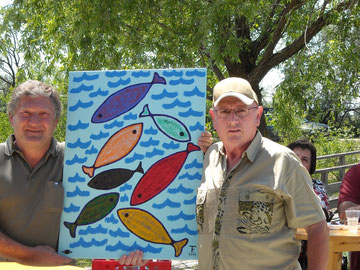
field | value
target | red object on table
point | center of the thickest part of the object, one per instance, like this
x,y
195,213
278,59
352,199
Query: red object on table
x,y
99,264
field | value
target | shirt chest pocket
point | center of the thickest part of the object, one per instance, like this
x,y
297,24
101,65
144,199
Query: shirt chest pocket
x,y
54,197
254,211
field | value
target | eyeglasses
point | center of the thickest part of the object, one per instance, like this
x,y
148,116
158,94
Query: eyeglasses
x,y
239,112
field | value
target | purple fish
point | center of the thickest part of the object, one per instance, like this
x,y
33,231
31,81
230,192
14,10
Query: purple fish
x,y
124,100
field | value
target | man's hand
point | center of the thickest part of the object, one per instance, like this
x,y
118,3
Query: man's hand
x,y
134,258
44,256
205,140
345,206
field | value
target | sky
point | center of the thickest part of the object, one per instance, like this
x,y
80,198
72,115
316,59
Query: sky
x,y
5,2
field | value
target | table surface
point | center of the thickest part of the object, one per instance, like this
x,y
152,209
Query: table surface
x,y
333,234
18,266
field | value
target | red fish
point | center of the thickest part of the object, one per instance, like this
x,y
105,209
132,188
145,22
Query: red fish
x,y
160,175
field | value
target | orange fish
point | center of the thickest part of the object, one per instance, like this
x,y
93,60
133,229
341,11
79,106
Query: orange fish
x,y
149,228
118,146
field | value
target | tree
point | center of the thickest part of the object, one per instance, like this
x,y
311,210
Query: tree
x,y
231,38
322,82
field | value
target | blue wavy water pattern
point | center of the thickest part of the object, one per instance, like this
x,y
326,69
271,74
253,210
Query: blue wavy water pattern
x,y
193,164
166,203
134,158
99,136
177,103
79,125
90,230
113,74
164,94
79,144
195,72
77,193
112,219
197,126
150,131
196,176
181,81
180,216
76,160
99,92
76,178
150,142
141,73
130,116
125,187
72,208
86,77
194,92
92,151
190,113
171,145
80,104
184,229
81,88
116,123
173,73
119,233
135,246
89,244
119,83
154,152
180,189
191,201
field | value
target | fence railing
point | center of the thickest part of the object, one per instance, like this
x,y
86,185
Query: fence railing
x,y
333,183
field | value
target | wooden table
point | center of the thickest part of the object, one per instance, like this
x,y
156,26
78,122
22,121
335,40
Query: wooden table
x,y
339,241
18,266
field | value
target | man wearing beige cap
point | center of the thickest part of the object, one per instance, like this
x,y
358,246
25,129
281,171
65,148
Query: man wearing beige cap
x,y
254,193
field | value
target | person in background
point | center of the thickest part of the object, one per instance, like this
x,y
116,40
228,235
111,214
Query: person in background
x,y
31,190
254,193
349,198
306,152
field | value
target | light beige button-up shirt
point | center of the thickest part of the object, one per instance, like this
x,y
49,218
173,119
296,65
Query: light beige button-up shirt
x,y
256,208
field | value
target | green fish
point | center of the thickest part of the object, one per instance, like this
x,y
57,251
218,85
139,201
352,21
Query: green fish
x,y
93,211
168,125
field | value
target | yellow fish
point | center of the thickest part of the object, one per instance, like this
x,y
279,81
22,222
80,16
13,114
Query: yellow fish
x,y
149,228
118,146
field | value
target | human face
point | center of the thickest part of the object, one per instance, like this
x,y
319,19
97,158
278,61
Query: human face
x,y
235,131
305,157
34,123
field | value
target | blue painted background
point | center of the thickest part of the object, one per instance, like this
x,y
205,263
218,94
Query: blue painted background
x,y
183,97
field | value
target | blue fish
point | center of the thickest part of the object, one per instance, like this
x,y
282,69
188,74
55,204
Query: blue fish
x,y
124,100
168,125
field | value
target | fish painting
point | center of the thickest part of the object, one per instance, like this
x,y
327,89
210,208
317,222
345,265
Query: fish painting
x,y
93,211
124,100
113,178
118,146
149,228
160,175
168,125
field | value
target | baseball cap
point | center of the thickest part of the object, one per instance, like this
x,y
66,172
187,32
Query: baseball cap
x,y
234,87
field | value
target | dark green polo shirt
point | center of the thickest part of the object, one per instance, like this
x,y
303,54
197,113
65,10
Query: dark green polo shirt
x,y
31,199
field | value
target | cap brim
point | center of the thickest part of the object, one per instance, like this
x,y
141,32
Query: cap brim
x,y
243,98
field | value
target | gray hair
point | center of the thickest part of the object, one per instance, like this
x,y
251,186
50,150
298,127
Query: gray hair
x,y
34,88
